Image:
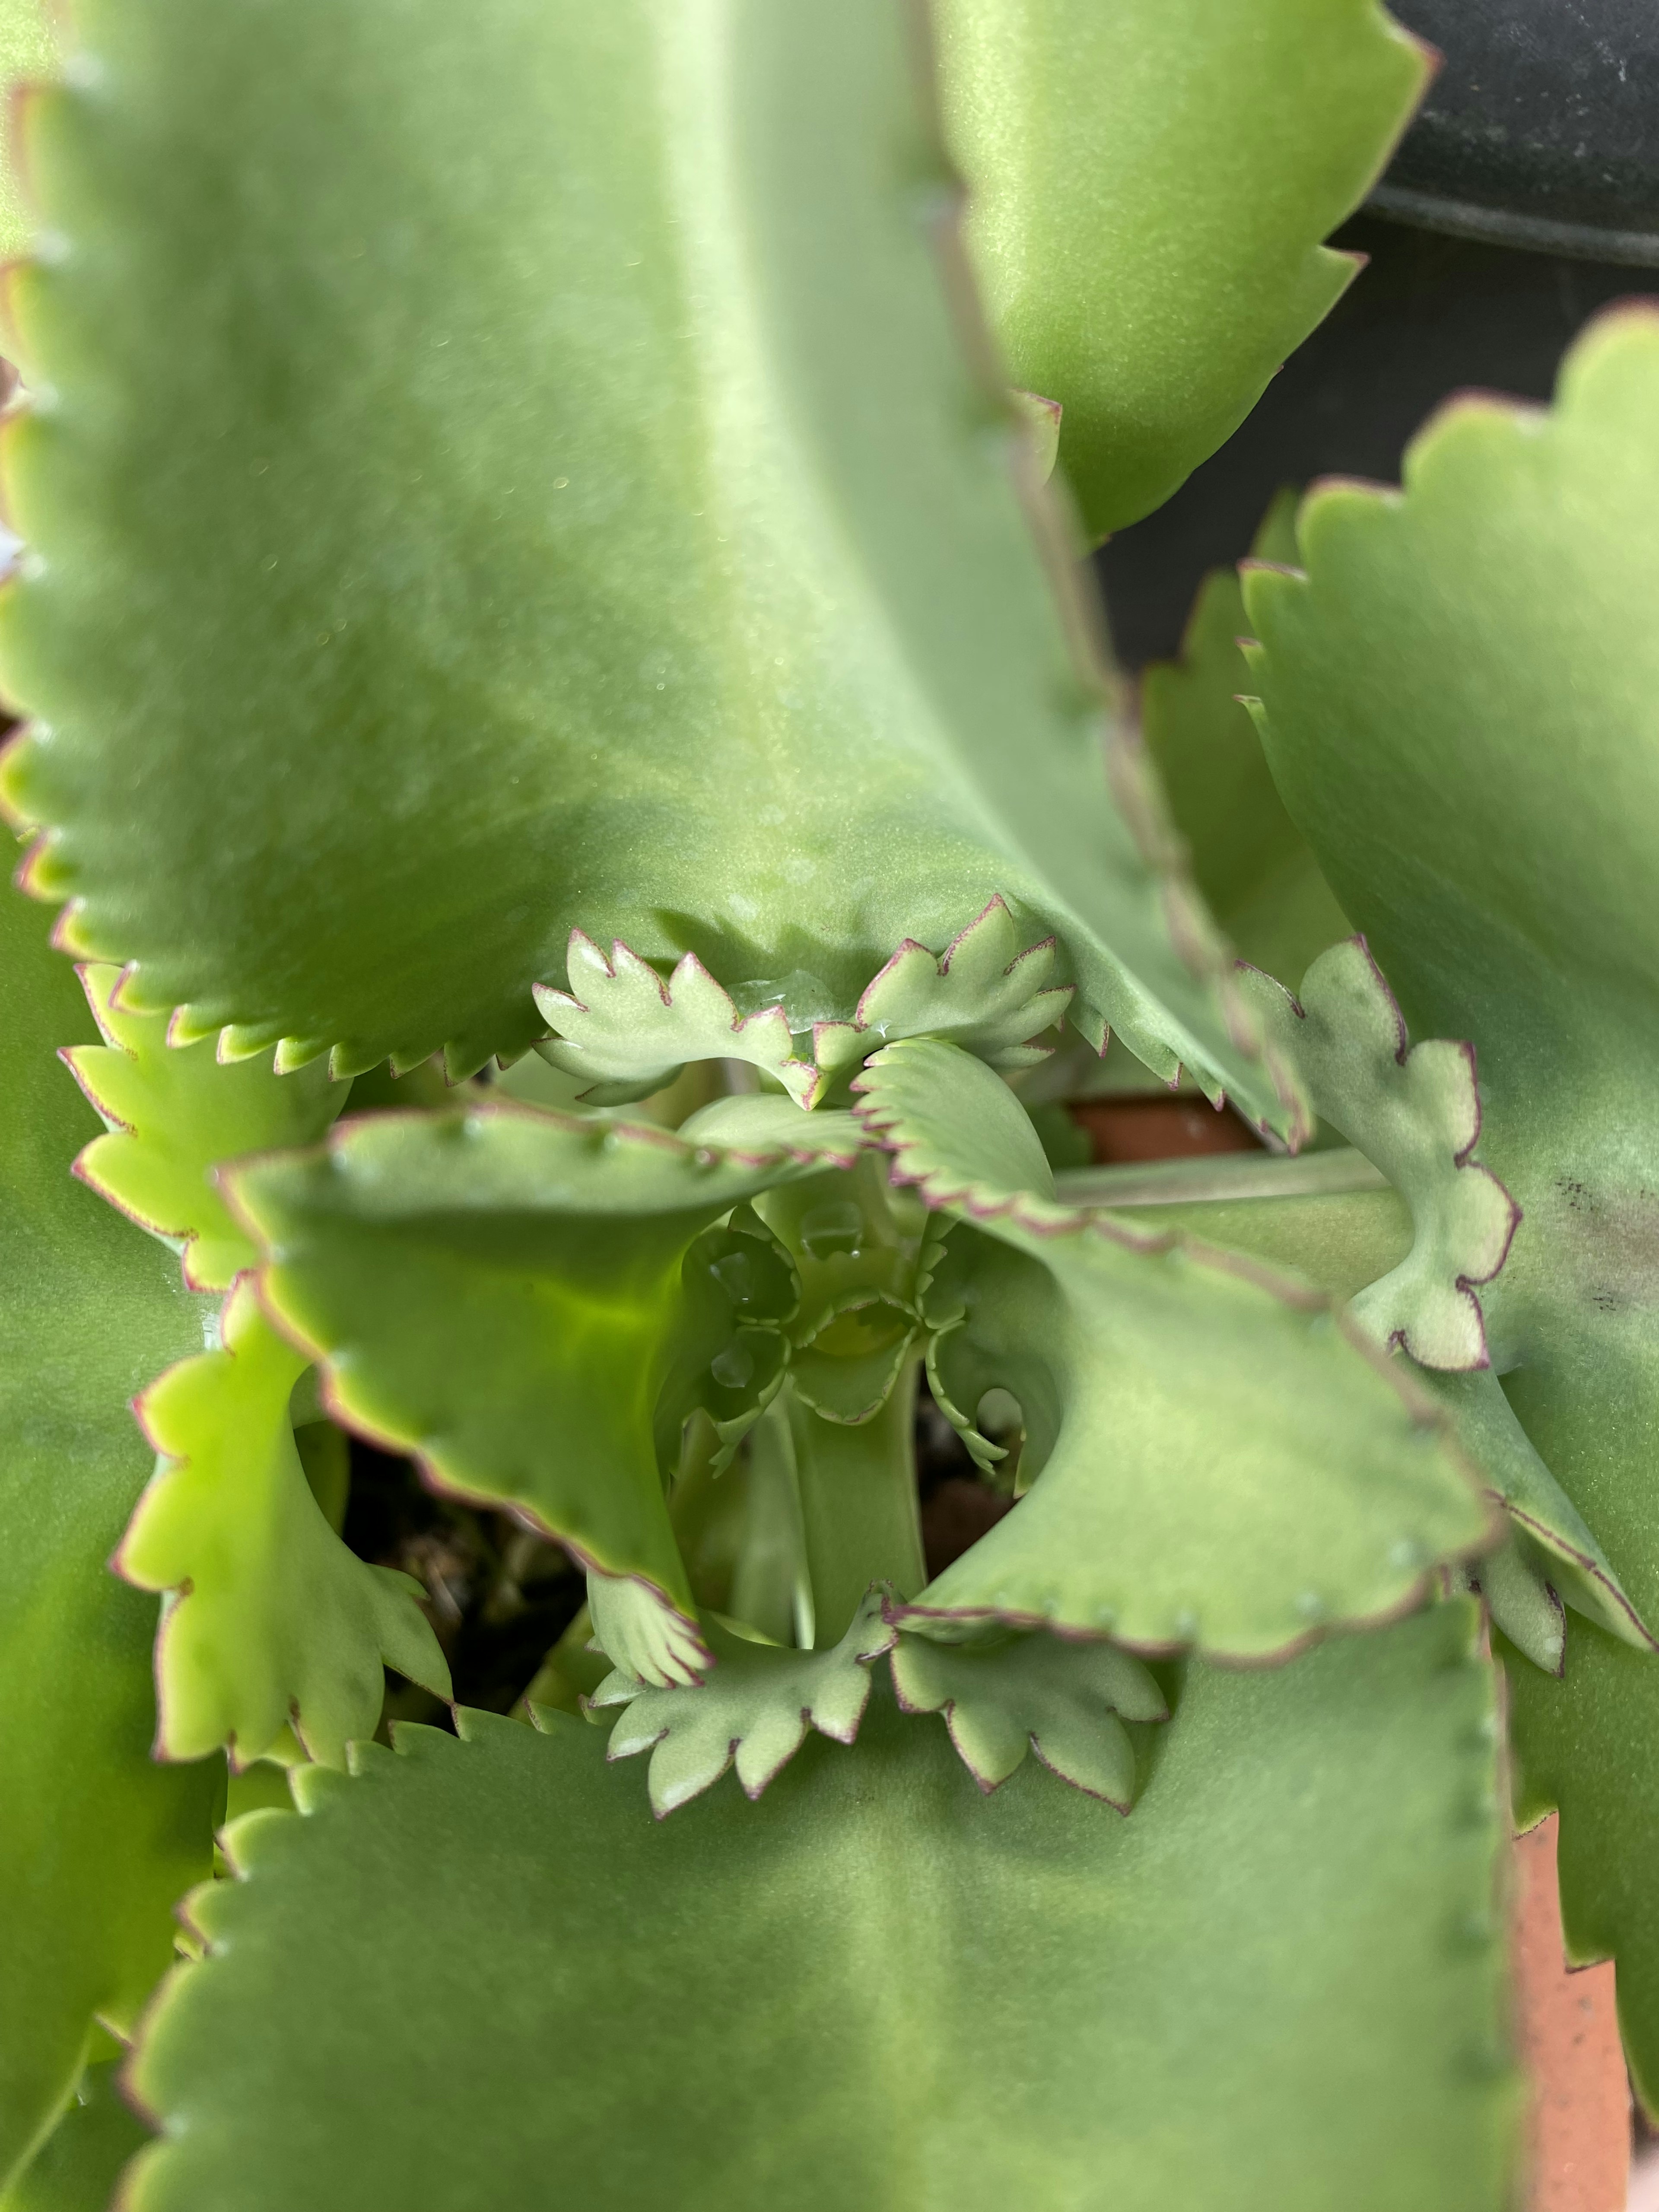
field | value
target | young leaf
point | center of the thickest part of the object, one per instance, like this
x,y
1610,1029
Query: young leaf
x,y
268,1617
1003,1697
641,1637
1252,1994
622,1025
173,1113
351,782
1262,883
96,1842
1220,1458
1150,184
502,1292
989,990
1415,1111
753,1711
1459,709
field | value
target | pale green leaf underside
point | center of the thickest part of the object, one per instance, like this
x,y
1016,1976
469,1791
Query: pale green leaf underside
x,y
1251,1995
499,1293
1150,183
96,1842
1033,1692
1262,883
1415,1111
753,1711
606,478
173,1113
1459,710
268,1617
1221,1459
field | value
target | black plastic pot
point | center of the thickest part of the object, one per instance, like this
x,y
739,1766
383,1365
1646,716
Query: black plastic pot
x,y
1542,130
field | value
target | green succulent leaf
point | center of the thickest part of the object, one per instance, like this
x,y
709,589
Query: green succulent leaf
x,y
1515,1581
1150,183
641,1637
173,1113
28,55
1251,1993
502,1292
269,1619
761,1121
632,1031
753,1710
1342,1241
1414,1111
97,1842
1261,881
350,784
1458,707
77,2167
988,991
1221,1458
1004,1697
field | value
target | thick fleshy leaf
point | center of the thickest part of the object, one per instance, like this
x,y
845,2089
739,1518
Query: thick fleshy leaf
x,y
1459,707
1012,1694
77,2167
762,1121
1263,884
753,1711
173,1113
269,1619
1150,182
1414,1111
1254,1995
96,1842
502,1293
1221,1457
330,742
1343,1240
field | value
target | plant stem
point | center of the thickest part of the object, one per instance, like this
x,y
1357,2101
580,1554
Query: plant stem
x,y
858,1508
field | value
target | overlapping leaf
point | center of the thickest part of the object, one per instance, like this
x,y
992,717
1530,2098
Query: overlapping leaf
x,y
1150,183
76,2168
1458,707
1262,883
502,1292
1414,1111
1251,1996
753,1711
1220,1458
96,1842
27,56
1004,1696
268,1617
385,599
173,1113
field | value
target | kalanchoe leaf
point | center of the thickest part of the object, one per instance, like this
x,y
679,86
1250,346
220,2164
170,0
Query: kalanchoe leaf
x,y
1414,1111
79,2164
1458,705
1004,1696
753,1710
739,1291
762,1121
990,990
1041,417
349,784
1515,1582
1150,183
632,1031
642,1638
500,1291
1341,1239
173,1113
1220,1458
1252,1993
28,55
1255,869
96,1842
268,1617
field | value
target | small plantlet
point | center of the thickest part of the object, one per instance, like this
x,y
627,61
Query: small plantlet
x,y
559,714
